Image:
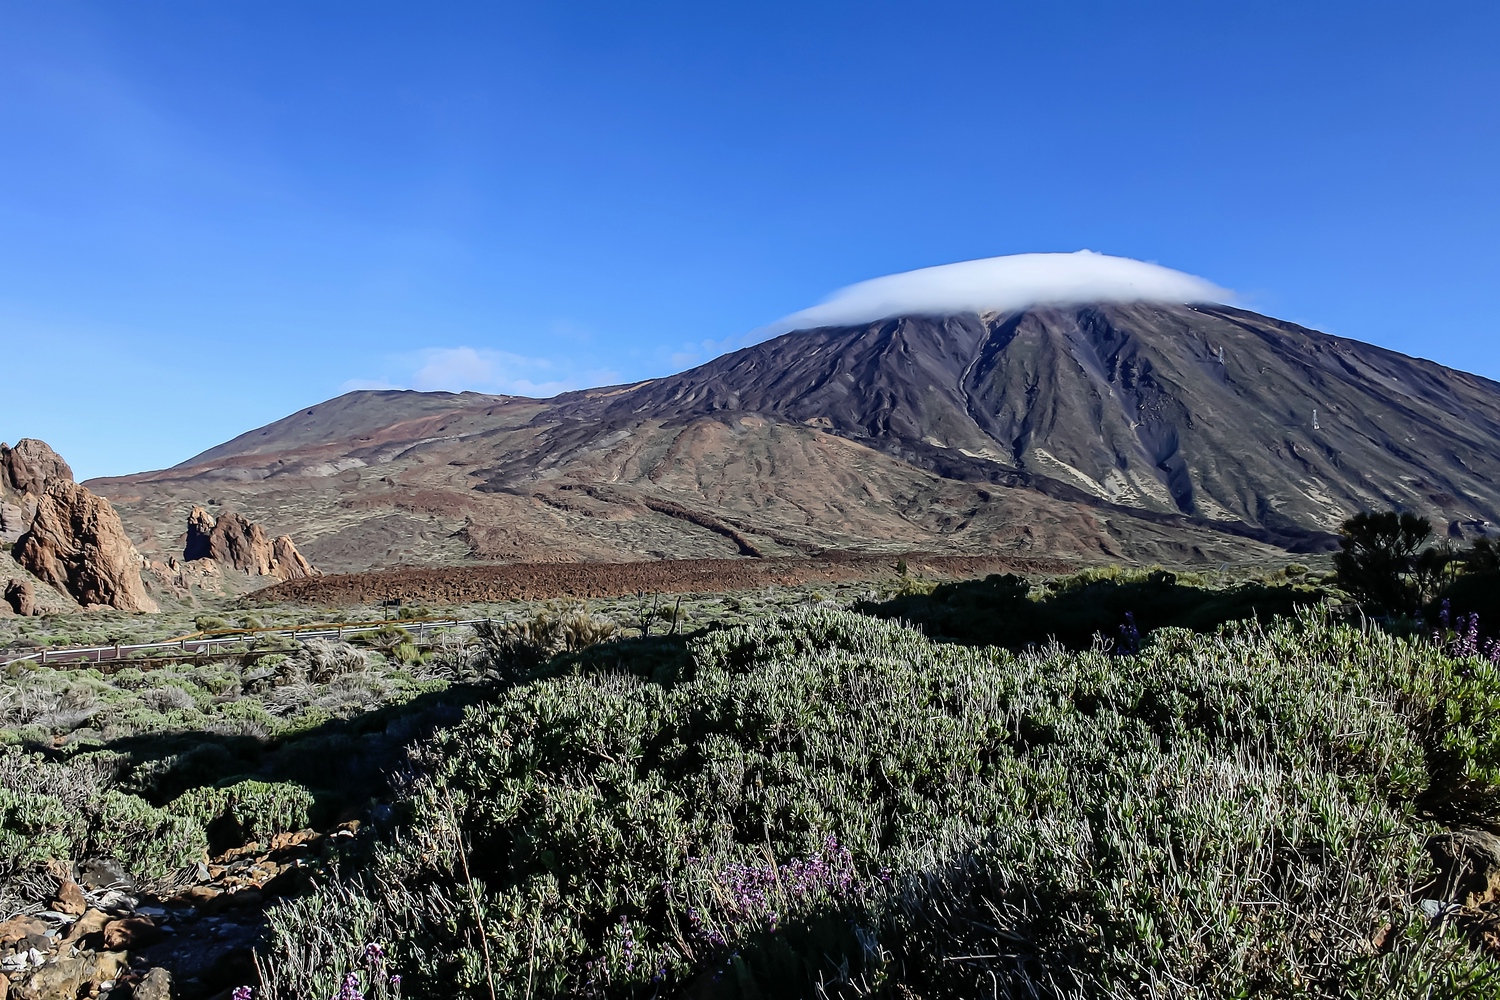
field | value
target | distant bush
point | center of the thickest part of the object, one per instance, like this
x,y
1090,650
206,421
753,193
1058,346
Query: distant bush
x,y
1383,564
516,648
830,805
1080,610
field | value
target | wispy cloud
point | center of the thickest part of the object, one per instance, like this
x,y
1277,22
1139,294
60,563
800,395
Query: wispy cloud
x,y
457,369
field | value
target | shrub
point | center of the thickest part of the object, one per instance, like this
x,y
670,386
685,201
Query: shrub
x,y
67,811
321,660
150,843
246,810
1380,562
170,698
1082,609
1219,815
516,648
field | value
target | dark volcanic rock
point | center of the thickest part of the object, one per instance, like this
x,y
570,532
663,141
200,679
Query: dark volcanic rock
x,y
1206,411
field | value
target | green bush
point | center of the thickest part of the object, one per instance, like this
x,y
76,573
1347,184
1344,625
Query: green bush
x,y
1228,815
246,810
151,843
66,810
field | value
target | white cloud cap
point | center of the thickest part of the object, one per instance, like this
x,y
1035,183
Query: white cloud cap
x,y
1002,284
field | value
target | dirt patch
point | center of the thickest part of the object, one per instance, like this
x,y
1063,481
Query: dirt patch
x,y
544,581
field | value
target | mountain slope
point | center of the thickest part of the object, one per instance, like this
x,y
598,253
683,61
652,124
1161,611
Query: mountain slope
x,y
1129,403
1111,431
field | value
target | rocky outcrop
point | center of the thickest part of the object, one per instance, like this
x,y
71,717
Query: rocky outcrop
x,y
200,530
76,544
31,466
25,472
14,517
287,563
235,541
20,597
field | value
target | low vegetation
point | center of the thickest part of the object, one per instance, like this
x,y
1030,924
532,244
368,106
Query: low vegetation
x,y
1110,605
826,804
1113,784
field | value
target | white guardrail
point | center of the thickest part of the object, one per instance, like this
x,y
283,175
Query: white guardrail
x,y
197,644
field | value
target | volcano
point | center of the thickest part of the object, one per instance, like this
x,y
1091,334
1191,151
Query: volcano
x,y
1131,430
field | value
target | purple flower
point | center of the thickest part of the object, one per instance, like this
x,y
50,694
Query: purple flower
x,y
350,990
241,993
1130,636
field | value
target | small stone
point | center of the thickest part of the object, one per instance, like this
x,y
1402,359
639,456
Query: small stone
x,y
70,899
157,985
282,841
105,873
107,967
198,895
62,978
18,928
130,932
92,922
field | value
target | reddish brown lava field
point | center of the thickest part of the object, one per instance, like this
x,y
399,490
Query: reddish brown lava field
x,y
544,581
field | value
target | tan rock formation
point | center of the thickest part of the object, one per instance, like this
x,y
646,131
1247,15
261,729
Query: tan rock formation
x,y
20,597
233,540
31,466
76,543
287,563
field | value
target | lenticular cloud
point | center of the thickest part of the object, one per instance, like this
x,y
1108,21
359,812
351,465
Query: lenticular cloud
x,y
1002,284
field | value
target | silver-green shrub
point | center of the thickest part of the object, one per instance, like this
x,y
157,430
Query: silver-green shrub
x,y
1239,814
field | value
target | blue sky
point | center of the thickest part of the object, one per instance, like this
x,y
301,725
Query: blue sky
x,y
212,214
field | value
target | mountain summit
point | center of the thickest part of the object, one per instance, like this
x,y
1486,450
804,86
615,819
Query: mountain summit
x,y
1207,411
1111,429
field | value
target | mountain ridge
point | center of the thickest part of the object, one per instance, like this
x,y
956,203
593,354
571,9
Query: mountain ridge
x,y
1206,421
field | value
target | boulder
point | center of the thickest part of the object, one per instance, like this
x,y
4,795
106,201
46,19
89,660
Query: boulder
x,y
287,563
157,985
31,466
20,597
59,979
77,544
70,899
1468,864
